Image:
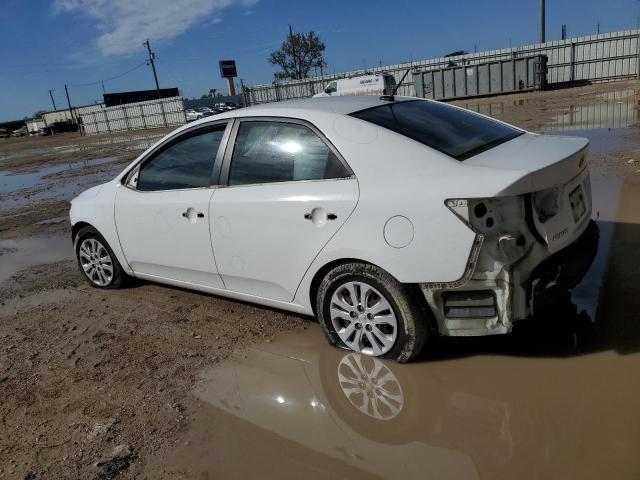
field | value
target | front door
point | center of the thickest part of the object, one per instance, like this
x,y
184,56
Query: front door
x,y
162,216
288,193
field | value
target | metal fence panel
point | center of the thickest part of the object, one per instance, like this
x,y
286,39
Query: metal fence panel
x,y
608,56
166,112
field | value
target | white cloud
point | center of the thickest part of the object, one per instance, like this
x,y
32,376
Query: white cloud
x,y
125,24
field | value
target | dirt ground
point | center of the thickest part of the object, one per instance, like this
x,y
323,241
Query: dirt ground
x,y
84,372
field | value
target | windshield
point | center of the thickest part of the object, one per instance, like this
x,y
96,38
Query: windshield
x,y
456,132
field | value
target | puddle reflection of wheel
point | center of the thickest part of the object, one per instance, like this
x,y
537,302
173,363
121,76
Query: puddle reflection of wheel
x,y
380,400
370,386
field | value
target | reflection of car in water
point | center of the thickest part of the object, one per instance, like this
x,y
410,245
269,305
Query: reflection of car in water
x,y
430,420
345,407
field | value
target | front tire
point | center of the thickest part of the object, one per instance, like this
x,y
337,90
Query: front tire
x,y
363,308
96,260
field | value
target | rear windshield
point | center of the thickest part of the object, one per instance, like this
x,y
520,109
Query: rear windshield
x,y
458,133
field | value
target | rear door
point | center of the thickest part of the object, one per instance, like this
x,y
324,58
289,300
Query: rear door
x,y
288,192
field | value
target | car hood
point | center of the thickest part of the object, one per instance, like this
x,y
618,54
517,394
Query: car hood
x,y
545,160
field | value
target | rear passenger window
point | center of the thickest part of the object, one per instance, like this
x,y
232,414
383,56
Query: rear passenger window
x,y
267,152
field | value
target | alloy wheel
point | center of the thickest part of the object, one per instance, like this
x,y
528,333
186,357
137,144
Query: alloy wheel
x,y
96,262
363,318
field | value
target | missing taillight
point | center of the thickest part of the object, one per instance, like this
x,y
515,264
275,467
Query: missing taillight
x,y
547,203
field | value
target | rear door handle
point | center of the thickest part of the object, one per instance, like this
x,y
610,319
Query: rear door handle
x,y
190,211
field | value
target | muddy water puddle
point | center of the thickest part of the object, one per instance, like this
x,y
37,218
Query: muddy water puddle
x,y
127,142
616,109
297,408
20,254
54,296
54,183
11,182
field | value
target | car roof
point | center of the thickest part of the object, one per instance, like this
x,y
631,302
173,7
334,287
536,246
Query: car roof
x,y
339,104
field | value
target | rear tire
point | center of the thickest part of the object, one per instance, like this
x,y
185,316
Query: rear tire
x,y
383,320
96,260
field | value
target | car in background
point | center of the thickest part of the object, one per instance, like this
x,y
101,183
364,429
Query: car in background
x,y
225,106
378,84
4,133
192,115
390,219
206,111
20,132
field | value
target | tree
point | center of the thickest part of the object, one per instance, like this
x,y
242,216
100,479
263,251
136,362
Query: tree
x,y
299,53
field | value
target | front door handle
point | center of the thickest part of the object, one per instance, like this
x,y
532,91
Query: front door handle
x,y
191,214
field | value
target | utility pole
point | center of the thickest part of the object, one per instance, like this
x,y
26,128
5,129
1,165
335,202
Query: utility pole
x,y
66,90
293,51
598,28
103,90
52,100
542,20
152,59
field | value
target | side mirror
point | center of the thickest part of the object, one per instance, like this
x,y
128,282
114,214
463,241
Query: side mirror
x,y
132,180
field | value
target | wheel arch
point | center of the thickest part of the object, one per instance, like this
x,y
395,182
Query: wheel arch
x,y
326,268
77,227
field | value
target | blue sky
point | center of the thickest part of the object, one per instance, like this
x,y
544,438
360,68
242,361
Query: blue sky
x,y
45,44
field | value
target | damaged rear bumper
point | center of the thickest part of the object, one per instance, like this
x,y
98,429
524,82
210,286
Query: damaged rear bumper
x,y
489,306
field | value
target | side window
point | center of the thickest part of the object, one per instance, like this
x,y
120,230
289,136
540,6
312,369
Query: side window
x,y
186,164
268,152
332,87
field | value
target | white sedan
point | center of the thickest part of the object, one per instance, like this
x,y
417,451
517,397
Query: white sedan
x,y
390,219
191,115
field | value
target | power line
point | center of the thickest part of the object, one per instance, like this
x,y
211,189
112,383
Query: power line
x,y
98,82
